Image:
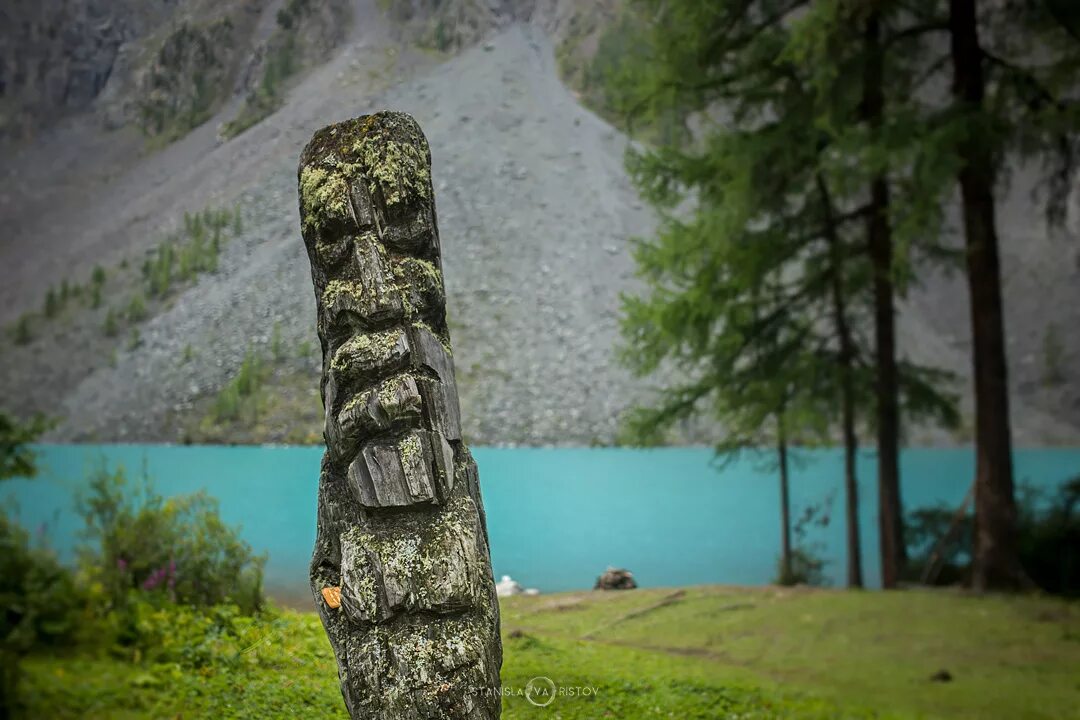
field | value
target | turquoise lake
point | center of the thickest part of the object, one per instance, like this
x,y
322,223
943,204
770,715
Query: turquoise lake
x,y
556,516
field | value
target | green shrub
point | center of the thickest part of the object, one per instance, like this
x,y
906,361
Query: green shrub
x,y
1048,531
194,637
806,569
16,458
136,309
250,376
40,605
1050,538
807,565
227,404
21,332
112,325
240,396
142,547
277,347
159,277
182,259
52,303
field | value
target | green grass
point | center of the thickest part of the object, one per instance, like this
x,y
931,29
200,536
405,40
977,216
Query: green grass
x,y
703,652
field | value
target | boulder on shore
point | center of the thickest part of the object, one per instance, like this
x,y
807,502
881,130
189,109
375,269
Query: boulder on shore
x,y
615,579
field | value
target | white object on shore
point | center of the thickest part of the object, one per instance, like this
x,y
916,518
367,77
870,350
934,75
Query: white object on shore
x,y
508,587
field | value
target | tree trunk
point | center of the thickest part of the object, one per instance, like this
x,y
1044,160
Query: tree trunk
x,y
9,683
846,361
880,246
851,485
401,571
785,503
996,561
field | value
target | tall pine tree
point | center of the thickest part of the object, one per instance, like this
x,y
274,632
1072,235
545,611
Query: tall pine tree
x,y
1015,69
761,232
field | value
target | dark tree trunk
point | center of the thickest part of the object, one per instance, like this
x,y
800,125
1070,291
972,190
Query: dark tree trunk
x,y
996,561
880,246
785,502
846,369
851,485
401,571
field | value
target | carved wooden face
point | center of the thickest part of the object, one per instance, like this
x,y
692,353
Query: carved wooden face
x,y
401,535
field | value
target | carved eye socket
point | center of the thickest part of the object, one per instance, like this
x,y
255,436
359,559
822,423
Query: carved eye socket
x,y
413,233
343,324
333,253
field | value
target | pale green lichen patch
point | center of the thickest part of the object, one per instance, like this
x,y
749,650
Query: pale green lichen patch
x,y
410,448
359,572
338,289
393,152
412,463
390,391
411,270
367,351
439,567
397,168
352,402
381,407
324,196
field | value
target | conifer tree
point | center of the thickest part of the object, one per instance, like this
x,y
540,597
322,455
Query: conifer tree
x,y
762,220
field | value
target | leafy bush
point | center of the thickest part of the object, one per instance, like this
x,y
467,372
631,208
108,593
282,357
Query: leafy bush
x,y
1049,540
240,397
136,309
112,325
277,346
806,569
52,303
40,605
807,565
194,637
148,547
179,260
134,338
21,332
39,601
16,459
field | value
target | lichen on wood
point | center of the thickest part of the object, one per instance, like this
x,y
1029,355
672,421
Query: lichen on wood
x,y
401,570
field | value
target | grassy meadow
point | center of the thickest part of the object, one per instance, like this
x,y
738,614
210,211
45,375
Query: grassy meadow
x,y
699,652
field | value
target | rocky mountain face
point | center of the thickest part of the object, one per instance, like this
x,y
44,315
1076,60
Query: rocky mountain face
x,y
153,284
165,66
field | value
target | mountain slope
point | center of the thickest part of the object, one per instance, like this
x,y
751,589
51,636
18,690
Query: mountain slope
x,y
536,215
535,212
